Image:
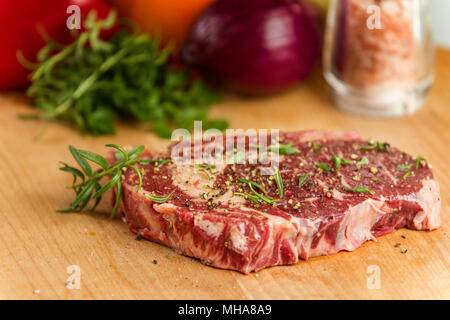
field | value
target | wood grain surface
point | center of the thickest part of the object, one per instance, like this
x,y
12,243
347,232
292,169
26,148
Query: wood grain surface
x,y
37,245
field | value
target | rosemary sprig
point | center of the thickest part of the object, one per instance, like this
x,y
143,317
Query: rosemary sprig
x,y
89,187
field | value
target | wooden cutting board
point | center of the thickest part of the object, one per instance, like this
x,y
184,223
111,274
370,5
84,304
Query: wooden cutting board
x,y
37,245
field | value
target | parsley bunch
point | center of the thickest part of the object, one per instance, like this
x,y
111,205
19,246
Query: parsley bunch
x,y
91,82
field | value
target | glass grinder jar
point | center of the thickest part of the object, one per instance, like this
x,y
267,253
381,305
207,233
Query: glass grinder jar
x,y
379,55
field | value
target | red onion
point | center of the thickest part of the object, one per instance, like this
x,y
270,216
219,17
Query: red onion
x,y
255,46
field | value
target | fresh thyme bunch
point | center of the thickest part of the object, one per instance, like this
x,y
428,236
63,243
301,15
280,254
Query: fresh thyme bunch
x,y
91,82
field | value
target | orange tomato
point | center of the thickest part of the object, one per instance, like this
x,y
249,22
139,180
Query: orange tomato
x,y
172,19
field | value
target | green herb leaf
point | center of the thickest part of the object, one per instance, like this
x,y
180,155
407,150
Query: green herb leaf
x,y
136,152
158,162
322,166
315,146
160,199
279,182
406,175
75,172
207,166
264,198
85,166
96,158
83,195
97,201
118,155
206,173
138,174
362,162
111,183
249,196
116,203
376,146
340,161
360,190
302,179
285,149
122,150
256,197
252,183
419,160
405,167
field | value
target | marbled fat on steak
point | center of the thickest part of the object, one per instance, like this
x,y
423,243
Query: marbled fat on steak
x,y
322,211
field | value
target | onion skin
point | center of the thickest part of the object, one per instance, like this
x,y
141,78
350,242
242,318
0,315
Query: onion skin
x,y
255,47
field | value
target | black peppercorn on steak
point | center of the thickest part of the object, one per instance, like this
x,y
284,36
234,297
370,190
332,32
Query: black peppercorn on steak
x,y
331,191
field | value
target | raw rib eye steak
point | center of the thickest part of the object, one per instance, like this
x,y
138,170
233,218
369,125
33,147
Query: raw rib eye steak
x,y
337,192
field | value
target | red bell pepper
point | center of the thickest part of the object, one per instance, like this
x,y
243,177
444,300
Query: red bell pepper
x,y
19,30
